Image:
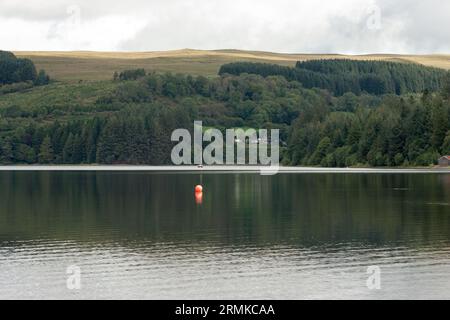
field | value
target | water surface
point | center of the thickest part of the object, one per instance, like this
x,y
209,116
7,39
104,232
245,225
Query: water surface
x,y
290,236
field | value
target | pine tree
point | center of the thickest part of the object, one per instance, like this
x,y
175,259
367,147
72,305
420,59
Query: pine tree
x,y
42,78
46,151
439,122
321,151
446,145
446,86
91,144
78,152
68,149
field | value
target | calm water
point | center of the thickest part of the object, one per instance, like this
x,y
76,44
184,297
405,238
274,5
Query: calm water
x,y
290,236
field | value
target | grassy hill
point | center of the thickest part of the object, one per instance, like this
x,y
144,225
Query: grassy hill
x,y
130,120
84,65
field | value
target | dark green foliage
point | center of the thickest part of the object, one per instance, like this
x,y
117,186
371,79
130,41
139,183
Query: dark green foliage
x,y
14,70
19,74
6,151
130,74
446,144
42,78
46,151
341,76
130,122
396,132
132,92
24,153
446,86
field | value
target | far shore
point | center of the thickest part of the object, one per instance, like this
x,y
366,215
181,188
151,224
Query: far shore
x,y
218,168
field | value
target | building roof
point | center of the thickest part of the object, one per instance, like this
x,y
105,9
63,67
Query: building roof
x,y
445,157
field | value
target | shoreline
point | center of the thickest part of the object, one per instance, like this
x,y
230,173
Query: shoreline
x,y
215,169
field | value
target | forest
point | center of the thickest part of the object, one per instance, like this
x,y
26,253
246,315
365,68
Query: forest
x,y
342,76
129,119
19,74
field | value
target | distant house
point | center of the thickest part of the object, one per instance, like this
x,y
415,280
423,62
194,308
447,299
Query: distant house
x,y
444,161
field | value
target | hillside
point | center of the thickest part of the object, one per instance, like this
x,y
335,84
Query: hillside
x,y
330,112
131,121
83,65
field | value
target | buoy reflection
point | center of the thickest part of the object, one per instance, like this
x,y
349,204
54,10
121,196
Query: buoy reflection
x,y
198,197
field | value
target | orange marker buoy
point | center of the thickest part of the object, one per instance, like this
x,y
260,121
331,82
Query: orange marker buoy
x,y
198,188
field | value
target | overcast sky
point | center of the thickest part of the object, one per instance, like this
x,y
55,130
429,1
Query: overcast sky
x,y
302,26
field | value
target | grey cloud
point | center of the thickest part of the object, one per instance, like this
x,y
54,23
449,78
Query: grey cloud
x,y
338,26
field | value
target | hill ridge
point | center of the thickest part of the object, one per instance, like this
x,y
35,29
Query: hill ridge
x,y
100,65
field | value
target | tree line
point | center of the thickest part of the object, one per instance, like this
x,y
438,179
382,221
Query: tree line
x,y
399,131
339,76
15,71
132,136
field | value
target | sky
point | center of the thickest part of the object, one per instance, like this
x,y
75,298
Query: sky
x,y
291,26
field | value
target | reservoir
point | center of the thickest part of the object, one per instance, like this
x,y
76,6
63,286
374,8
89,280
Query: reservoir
x,y
143,235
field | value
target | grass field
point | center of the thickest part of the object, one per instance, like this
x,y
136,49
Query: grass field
x,y
83,65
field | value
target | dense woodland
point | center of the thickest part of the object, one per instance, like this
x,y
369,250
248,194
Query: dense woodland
x,y
19,74
342,76
129,119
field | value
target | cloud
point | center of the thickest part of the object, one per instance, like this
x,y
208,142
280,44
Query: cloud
x,y
327,26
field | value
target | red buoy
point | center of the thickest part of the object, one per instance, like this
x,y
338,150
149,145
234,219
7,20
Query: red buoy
x,y
198,188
